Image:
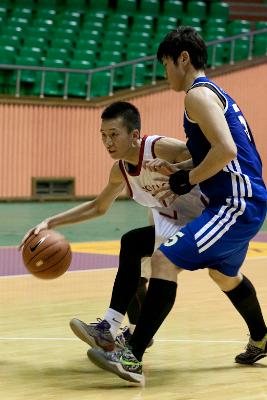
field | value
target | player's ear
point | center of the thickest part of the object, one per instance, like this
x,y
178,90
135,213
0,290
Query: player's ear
x,y
135,136
184,57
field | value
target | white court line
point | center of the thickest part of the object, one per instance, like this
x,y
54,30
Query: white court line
x,y
156,340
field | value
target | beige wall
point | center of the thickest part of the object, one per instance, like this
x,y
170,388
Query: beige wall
x,y
53,141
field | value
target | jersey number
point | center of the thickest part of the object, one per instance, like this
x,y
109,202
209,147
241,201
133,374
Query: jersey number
x,y
243,121
173,239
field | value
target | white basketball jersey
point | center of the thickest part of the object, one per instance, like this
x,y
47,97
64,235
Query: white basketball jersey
x,y
142,183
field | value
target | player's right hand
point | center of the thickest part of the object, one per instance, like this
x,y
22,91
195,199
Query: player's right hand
x,y
34,231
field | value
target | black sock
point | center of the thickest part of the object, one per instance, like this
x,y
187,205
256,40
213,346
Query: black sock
x,y
134,308
135,245
244,298
158,303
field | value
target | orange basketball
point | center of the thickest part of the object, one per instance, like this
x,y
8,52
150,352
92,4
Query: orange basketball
x,y
47,255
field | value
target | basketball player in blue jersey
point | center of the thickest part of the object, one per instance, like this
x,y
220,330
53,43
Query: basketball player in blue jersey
x,y
228,169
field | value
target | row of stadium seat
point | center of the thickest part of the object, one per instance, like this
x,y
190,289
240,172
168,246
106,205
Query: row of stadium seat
x,y
47,34
129,7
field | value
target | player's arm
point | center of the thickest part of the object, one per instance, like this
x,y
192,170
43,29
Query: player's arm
x,y
94,208
204,107
172,154
172,150
87,210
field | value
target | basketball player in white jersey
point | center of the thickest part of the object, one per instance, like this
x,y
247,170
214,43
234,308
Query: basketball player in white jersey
x,y
120,130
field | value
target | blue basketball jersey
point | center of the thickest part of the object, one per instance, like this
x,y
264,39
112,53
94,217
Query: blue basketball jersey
x,y
242,177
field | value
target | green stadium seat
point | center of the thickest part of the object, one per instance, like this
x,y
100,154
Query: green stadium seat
x,y
22,12
60,53
128,7
75,4
166,20
116,45
93,25
133,54
70,15
214,31
54,81
143,37
47,3
124,77
89,44
163,29
35,42
144,19
120,36
118,19
215,59
7,54
241,49
110,56
260,45
35,52
27,75
191,21
6,4
46,13
237,26
94,15
102,5
150,7
219,10
173,8
77,83
87,34
64,33
113,27
14,31
100,84
260,25
24,3
135,47
16,21
35,31
61,43
40,22
12,41
139,27
84,55
68,24
196,8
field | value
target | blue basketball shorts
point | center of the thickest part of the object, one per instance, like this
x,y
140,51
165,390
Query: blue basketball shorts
x,y
218,238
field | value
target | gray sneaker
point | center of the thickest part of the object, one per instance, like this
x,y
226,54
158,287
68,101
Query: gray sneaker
x,y
121,362
254,352
97,334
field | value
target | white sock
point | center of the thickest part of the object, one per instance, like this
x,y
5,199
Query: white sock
x,y
131,328
115,319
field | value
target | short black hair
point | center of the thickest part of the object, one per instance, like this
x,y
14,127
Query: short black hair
x,y
127,111
184,38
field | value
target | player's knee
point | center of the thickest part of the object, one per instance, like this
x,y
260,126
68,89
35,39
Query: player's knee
x,y
161,267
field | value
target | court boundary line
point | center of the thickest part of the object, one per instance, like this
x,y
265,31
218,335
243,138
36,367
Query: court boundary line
x,y
57,339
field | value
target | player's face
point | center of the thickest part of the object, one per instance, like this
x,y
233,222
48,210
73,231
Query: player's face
x,y
174,73
116,138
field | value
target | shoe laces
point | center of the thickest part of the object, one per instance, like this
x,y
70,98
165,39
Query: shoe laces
x,y
102,324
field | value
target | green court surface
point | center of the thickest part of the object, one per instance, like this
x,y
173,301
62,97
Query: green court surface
x,y
18,218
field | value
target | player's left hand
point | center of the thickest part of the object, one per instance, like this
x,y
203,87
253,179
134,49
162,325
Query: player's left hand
x,y
161,166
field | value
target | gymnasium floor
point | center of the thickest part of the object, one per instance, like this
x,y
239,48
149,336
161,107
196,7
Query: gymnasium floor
x,y
192,358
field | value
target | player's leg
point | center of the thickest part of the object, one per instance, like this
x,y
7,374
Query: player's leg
x,y
243,296
127,363
135,245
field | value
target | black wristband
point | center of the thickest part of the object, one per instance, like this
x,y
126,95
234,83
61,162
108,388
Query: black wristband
x,y
179,182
